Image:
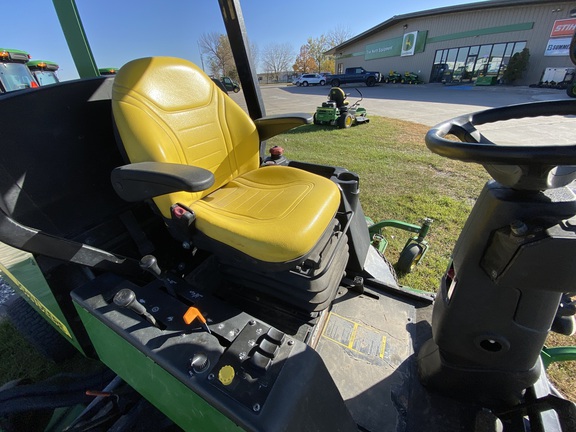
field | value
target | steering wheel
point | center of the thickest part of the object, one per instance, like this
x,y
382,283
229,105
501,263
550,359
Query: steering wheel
x,y
529,167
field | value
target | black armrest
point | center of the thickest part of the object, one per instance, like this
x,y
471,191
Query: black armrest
x,y
139,181
270,126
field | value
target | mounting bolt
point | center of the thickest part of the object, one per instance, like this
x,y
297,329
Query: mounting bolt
x,y
256,407
518,228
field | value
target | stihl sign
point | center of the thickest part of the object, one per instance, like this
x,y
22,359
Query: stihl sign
x,y
563,27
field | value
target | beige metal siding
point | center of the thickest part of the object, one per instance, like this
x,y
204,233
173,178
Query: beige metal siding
x,y
543,17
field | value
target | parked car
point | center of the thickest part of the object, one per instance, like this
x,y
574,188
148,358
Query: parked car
x,y
230,84
219,84
310,79
327,76
355,75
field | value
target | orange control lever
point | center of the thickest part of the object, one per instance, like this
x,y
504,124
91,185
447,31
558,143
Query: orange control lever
x,y
192,313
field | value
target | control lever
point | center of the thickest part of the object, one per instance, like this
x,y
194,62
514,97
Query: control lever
x,y
126,298
193,313
150,264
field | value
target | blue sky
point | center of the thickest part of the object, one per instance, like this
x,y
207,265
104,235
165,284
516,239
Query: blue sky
x,y
121,30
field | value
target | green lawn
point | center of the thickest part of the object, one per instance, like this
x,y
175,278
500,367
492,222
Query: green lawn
x,y
19,360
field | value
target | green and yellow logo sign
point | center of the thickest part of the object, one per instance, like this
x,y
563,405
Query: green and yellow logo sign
x,y
409,43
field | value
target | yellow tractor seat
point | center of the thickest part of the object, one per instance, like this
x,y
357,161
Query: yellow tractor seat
x,y
191,147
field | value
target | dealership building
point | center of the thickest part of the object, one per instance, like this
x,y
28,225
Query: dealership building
x,y
468,43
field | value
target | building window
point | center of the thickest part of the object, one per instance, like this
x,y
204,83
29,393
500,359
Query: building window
x,y
496,65
469,62
518,47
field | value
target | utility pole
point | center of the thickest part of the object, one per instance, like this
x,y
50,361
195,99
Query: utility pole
x,y
201,56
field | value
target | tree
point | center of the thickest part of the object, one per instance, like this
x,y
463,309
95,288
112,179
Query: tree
x,y
219,59
276,58
304,63
338,35
312,56
216,48
317,47
516,66
328,64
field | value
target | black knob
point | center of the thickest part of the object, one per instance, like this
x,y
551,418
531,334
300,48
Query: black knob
x,y
150,264
126,298
199,363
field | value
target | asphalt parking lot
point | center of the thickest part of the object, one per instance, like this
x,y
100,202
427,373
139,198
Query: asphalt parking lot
x,y
430,104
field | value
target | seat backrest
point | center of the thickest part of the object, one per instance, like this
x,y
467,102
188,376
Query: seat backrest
x,y
337,95
168,110
58,149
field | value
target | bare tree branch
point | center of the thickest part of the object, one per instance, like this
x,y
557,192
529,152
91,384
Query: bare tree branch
x,y
338,35
216,48
277,58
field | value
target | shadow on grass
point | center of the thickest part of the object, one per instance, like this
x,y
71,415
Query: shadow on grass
x,y
313,128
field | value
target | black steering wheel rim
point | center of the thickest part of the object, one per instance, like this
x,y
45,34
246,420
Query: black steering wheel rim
x,y
474,147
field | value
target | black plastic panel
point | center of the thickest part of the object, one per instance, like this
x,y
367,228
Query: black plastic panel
x,y
254,374
257,355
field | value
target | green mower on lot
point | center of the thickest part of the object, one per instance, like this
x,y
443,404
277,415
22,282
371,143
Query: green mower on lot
x,y
337,111
410,78
393,77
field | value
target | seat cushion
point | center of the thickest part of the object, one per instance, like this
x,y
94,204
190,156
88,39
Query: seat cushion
x,y
274,214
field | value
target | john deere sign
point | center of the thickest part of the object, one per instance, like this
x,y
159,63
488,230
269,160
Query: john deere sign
x,y
409,44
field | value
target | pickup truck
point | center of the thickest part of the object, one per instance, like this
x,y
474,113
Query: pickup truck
x,y
355,75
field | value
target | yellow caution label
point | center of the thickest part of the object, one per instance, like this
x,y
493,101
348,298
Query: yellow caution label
x,y
354,336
